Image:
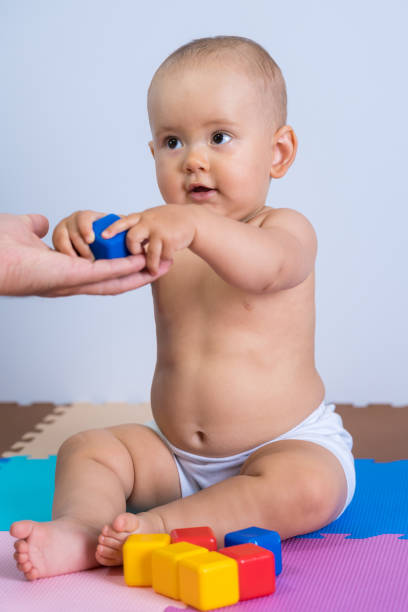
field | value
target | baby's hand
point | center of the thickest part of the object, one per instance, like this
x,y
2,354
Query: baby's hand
x,y
74,233
166,229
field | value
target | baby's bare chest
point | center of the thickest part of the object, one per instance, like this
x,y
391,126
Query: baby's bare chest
x,y
193,302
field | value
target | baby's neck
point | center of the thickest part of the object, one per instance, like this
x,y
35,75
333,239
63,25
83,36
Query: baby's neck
x,y
252,215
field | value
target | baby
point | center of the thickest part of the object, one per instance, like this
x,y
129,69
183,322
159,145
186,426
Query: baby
x,y
241,434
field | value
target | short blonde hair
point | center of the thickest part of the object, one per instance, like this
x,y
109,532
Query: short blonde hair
x,y
249,55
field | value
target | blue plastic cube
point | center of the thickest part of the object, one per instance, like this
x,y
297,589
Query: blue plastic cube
x,y
108,248
262,537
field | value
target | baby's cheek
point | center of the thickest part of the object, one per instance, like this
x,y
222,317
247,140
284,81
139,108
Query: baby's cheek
x,y
251,185
241,187
171,188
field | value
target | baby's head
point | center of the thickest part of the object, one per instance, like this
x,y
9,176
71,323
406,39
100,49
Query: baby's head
x,y
217,111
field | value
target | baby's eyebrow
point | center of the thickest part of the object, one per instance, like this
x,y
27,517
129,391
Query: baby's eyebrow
x,y
221,121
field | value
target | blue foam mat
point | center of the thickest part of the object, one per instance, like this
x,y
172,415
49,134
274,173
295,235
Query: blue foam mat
x,y
379,505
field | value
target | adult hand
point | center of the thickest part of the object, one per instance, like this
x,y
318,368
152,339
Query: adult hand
x,y
29,267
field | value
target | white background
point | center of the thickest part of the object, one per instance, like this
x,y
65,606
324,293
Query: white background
x,y
74,133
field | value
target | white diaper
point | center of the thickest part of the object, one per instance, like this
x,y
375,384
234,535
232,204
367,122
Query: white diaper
x,y
323,426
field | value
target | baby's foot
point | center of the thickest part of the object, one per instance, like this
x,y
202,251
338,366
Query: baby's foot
x,y
57,547
112,537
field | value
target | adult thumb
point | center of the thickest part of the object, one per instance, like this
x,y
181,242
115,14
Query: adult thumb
x,y
37,223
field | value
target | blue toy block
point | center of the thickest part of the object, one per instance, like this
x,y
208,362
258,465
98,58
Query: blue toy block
x,y
262,537
108,248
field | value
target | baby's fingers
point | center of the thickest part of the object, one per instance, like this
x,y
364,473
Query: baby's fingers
x,y
83,222
80,246
136,238
81,232
61,240
121,225
154,252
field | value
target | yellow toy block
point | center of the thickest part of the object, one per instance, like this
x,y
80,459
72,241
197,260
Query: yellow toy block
x,y
137,556
209,581
165,565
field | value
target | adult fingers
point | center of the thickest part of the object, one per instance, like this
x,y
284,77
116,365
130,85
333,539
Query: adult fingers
x,y
37,223
69,272
115,286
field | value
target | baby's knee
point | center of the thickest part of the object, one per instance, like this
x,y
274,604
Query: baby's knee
x,y
86,442
97,448
302,502
318,499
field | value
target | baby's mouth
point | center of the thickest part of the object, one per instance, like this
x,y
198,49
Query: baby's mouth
x,y
200,193
201,188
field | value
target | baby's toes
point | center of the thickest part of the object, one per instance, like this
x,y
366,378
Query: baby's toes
x,y
20,557
109,532
126,522
106,552
32,574
108,556
23,562
109,542
25,567
21,546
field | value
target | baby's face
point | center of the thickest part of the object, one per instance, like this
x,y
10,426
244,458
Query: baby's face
x,y
209,129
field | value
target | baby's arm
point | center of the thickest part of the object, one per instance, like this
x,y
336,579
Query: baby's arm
x,y
278,255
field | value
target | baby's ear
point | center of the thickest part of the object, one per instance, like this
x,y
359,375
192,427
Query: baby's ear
x,y
284,151
151,147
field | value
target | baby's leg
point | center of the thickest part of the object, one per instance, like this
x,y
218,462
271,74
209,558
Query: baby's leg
x,y
289,486
97,471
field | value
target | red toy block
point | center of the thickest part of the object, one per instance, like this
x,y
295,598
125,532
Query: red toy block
x,y
256,569
200,536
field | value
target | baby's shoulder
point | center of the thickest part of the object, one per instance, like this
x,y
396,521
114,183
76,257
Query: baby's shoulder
x,y
291,221
284,216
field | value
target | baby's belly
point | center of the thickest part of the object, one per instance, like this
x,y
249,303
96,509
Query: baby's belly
x,y
219,407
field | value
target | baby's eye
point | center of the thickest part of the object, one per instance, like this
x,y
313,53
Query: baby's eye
x,y
171,142
218,137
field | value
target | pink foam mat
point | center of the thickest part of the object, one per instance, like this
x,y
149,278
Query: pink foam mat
x,y
332,573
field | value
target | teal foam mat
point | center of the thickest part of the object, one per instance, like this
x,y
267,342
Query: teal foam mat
x,y
26,489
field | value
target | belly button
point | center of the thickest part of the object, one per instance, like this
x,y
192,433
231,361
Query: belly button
x,y
200,436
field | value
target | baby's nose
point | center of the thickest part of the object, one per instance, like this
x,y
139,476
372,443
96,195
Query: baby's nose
x,y
196,159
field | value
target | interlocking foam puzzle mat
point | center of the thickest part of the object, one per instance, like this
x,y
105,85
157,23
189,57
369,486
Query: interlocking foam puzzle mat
x,y
359,562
